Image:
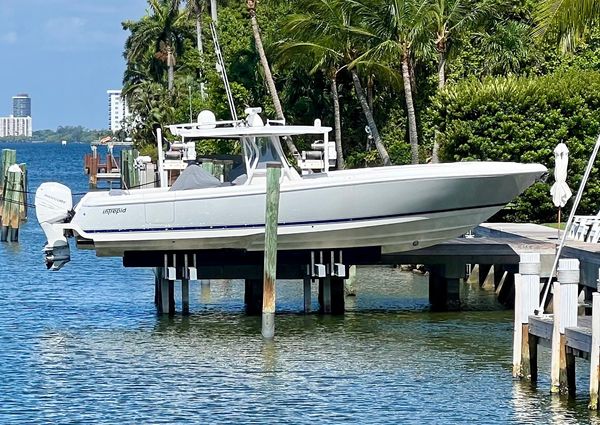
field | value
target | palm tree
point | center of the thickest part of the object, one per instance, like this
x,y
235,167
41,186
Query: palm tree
x,y
507,48
449,18
318,50
251,5
196,9
396,29
162,32
568,19
325,33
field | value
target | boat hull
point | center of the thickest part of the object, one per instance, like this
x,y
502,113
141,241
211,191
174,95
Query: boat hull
x,y
395,208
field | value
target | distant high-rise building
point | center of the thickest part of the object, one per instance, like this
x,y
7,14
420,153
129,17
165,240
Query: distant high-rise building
x,y
118,110
15,126
21,105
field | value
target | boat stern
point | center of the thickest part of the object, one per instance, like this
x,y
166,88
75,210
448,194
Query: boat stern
x,y
54,208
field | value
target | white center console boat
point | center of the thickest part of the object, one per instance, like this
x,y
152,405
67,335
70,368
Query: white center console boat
x,y
395,208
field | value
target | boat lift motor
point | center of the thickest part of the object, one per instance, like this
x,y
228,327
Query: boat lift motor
x,y
54,206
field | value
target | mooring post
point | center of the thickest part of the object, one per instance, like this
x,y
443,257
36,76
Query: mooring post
x,y
270,264
565,295
12,204
595,352
527,294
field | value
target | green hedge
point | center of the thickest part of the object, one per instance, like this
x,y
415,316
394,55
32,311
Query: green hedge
x,y
523,119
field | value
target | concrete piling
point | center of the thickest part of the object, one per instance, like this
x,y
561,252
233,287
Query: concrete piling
x,y
444,287
307,293
325,295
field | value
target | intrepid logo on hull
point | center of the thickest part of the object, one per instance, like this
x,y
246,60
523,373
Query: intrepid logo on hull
x,y
109,211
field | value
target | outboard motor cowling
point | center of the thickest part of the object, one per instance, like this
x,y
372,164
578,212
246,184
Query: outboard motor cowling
x,y
54,205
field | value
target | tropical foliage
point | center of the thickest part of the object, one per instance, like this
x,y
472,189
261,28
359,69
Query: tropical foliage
x,y
397,79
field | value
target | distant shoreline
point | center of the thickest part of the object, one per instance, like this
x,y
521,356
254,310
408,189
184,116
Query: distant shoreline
x,y
68,133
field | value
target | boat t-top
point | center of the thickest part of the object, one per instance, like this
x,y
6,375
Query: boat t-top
x,y
396,208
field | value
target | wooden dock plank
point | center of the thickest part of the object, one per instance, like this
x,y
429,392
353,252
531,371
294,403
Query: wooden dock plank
x,y
541,326
578,338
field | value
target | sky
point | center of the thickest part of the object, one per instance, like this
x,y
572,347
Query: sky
x,y
65,54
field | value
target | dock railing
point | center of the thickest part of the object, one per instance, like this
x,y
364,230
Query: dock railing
x,y
569,335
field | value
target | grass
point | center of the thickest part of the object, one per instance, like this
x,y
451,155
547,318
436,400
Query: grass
x,y
555,225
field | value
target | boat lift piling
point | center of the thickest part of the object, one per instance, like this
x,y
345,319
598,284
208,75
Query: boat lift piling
x,y
270,264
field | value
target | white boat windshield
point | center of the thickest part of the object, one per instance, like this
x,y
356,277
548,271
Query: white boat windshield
x,y
259,151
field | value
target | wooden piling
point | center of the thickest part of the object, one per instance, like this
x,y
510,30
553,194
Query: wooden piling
x,y
270,263
12,204
9,158
595,352
565,294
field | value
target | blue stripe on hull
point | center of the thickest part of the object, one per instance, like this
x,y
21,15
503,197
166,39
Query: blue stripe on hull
x,y
297,223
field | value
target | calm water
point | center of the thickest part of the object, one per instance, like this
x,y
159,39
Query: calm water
x,y
84,345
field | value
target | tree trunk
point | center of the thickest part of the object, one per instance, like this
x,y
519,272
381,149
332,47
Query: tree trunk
x,y
441,83
199,35
442,70
410,107
171,74
369,116
269,78
413,78
341,164
370,84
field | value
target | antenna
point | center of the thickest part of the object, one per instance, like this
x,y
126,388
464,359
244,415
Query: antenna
x,y
221,69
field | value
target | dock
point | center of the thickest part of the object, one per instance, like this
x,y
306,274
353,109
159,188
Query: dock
x,y
492,258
